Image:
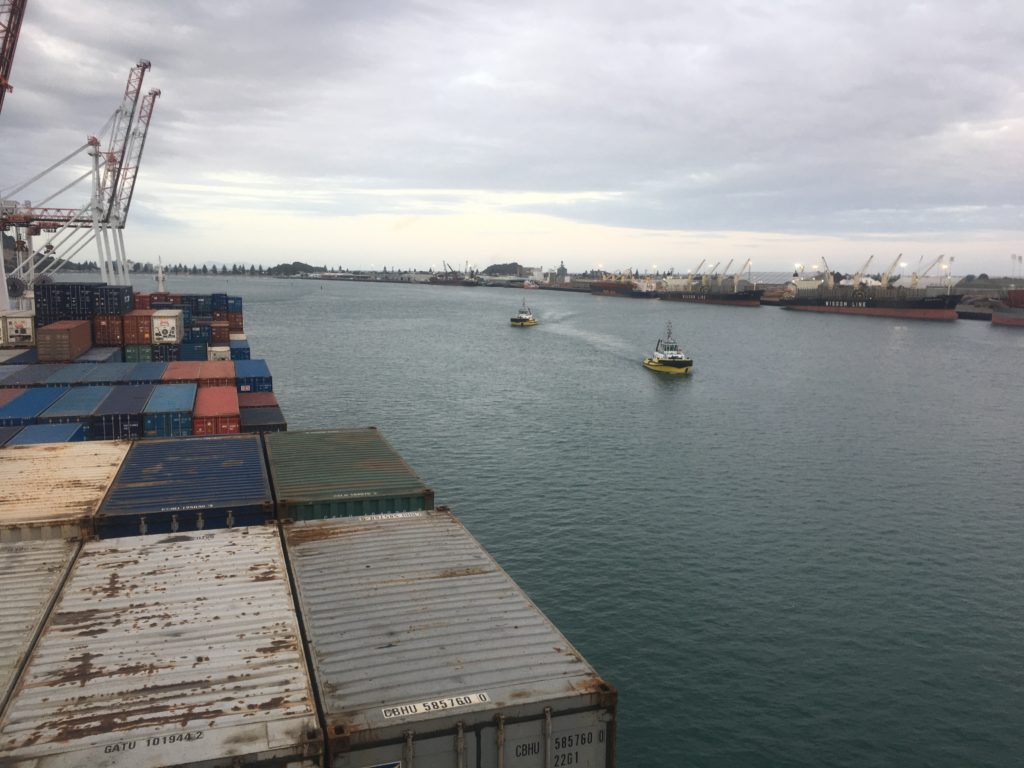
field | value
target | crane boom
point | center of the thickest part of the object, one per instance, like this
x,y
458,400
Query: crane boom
x,y
830,280
857,277
689,275
915,277
133,157
118,142
888,273
736,277
12,13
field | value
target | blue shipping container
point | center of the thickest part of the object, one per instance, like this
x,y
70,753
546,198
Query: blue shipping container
x,y
28,357
6,433
69,375
240,350
109,373
49,433
188,484
10,370
119,416
78,405
234,303
146,373
169,411
193,351
28,405
253,376
32,375
101,355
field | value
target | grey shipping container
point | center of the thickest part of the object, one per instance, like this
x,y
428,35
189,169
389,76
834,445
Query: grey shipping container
x,y
168,651
6,433
31,573
340,473
426,653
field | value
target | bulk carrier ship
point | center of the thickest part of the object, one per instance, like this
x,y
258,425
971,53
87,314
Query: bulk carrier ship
x,y
712,289
627,286
878,300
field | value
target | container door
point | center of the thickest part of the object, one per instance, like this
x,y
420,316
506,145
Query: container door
x,y
456,750
580,740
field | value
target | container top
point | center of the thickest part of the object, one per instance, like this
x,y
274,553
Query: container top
x,y
187,645
9,369
125,399
37,434
192,473
321,465
17,313
77,401
251,368
6,395
217,369
99,355
32,374
6,433
65,325
72,373
255,400
409,608
109,373
146,372
170,398
140,312
166,312
216,401
251,417
56,483
182,370
32,402
31,574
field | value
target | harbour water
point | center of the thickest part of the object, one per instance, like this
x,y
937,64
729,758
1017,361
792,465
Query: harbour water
x,y
808,553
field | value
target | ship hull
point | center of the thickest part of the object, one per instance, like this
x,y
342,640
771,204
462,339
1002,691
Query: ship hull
x,y
750,298
1008,316
623,290
897,305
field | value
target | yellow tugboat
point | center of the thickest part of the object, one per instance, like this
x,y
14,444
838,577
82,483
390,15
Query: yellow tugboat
x,y
668,357
524,317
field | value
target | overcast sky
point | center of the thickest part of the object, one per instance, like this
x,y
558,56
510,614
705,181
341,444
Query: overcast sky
x,y
625,134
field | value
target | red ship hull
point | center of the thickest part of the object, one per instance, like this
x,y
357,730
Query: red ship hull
x,y
910,313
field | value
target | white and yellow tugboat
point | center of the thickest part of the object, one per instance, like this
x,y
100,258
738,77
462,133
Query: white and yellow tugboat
x,y
668,357
524,317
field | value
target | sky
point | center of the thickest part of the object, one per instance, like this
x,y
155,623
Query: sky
x,y
643,135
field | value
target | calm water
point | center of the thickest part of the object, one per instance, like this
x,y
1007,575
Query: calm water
x,y
810,553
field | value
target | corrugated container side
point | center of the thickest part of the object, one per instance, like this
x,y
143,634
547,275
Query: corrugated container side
x,y
262,420
53,491
18,328
26,407
193,351
218,353
341,472
37,434
108,330
138,353
422,646
168,326
217,373
31,574
63,341
76,406
168,651
220,332
216,411
169,411
119,416
138,327
166,353
188,484
6,433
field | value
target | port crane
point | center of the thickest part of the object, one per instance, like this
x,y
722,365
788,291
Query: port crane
x,y
860,273
12,13
888,272
830,279
736,277
101,220
689,275
706,277
725,273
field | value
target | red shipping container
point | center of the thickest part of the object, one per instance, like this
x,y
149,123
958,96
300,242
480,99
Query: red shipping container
x,y
216,412
143,301
236,322
108,330
175,298
257,400
63,341
182,372
159,296
138,327
220,314
217,373
220,332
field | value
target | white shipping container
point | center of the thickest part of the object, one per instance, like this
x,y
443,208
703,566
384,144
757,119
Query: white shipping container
x,y
31,573
237,337
18,328
52,491
218,353
179,650
425,652
168,326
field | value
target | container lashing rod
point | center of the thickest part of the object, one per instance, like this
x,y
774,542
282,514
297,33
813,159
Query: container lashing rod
x,y
408,751
548,738
460,745
500,737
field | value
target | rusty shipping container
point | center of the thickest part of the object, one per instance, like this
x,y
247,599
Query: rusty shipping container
x,y
53,491
63,341
216,411
138,327
31,573
339,473
108,330
168,651
426,653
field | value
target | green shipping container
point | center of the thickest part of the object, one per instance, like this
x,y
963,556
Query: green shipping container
x,y
138,353
341,473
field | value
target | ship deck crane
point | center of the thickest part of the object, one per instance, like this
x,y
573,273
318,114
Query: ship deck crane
x,y
725,272
706,277
914,278
736,277
888,273
830,279
860,273
689,275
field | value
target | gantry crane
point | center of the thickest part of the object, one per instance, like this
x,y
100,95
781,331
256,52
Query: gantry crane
x,y
12,12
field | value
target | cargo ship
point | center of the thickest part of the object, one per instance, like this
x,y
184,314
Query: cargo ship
x,y
1011,311
728,290
625,286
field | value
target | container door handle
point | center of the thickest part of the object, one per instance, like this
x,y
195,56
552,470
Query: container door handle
x,y
408,753
548,737
460,746
501,741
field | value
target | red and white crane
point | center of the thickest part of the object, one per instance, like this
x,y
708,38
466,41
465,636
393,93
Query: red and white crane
x,y
12,12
